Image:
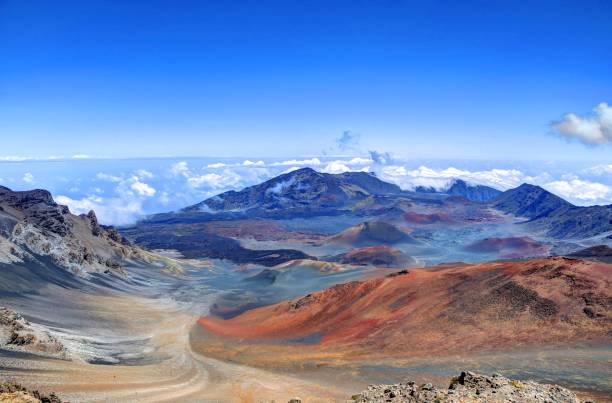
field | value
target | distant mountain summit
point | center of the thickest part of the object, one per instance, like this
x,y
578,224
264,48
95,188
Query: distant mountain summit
x,y
530,201
550,213
301,189
459,187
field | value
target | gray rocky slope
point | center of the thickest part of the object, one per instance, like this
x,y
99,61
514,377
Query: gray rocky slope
x,y
32,225
469,387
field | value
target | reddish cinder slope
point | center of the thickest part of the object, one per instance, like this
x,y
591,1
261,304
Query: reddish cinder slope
x,y
380,256
433,218
510,247
429,312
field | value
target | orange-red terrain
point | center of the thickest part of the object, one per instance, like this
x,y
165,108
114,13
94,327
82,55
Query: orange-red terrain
x,y
510,247
380,256
448,309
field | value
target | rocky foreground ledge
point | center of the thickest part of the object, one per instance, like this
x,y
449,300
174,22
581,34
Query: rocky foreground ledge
x,y
14,393
469,387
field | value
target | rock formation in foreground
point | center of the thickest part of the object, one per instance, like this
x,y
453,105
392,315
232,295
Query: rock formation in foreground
x,y
14,393
469,387
18,334
32,225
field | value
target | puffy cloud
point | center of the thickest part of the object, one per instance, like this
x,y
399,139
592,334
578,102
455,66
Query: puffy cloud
x,y
335,167
359,161
107,177
581,191
595,129
211,180
382,158
143,173
179,168
249,163
440,178
603,169
118,210
338,167
142,188
28,177
216,165
312,162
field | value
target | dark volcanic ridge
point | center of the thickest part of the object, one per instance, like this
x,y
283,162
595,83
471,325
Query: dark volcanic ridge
x,y
557,217
301,189
459,187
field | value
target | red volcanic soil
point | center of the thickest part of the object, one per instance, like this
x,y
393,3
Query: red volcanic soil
x,y
372,233
433,218
381,256
449,309
511,247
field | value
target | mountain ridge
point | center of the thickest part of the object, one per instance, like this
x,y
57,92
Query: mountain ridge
x,y
459,187
554,215
302,188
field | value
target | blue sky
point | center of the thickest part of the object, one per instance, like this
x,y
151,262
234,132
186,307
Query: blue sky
x,y
421,79
133,108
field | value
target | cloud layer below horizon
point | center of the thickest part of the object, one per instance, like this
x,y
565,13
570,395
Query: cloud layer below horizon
x,y
121,191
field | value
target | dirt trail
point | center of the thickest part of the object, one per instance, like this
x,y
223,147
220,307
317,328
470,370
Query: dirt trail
x,y
176,373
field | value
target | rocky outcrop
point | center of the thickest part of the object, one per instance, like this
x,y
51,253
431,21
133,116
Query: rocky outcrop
x,y
15,393
18,334
469,387
32,224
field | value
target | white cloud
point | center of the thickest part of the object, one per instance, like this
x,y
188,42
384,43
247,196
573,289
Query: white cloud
x,y
180,168
335,167
359,161
14,158
599,170
382,158
142,188
248,163
143,173
439,178
107,177
81,156
312,161
28,177
338,167
212,180
216,165
581,191
595,129
118,211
